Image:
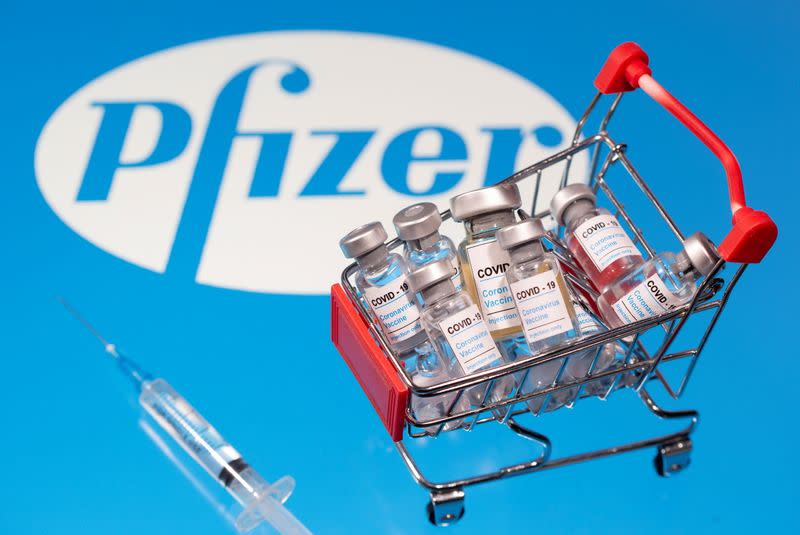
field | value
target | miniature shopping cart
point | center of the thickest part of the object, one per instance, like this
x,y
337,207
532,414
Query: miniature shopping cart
x,y
647,346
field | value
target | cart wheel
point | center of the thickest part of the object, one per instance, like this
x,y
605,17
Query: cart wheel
x,y
446,507
673,457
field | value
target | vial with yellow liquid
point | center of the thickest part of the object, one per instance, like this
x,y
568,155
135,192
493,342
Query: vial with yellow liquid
x,y
483,261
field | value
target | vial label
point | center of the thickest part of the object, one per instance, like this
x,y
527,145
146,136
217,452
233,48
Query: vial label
x,y
648,299
470,340
586,322
488,262
604,240
542,306
394,305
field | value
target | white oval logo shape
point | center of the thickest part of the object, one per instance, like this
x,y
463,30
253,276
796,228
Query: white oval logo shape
x,y
239,162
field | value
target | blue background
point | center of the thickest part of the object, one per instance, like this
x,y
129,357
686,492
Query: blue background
x,y
75,460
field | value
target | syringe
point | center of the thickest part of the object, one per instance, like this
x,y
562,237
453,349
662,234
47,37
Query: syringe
x,y
260,500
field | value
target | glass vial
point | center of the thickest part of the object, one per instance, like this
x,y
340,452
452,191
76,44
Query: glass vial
x,y
433,370
543,302
456,327
382,285
484,262
660,285
418,226
608,356
594,236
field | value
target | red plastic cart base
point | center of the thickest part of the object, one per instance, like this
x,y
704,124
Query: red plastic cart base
x,y
377,376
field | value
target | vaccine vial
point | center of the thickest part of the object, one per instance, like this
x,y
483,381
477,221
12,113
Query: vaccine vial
x,y
418,226
382,285
608,356
543,302
433,370
457,330
594,236
484,262
660,285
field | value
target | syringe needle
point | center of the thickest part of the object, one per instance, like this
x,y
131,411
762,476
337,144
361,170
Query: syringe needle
x,y
110,348
260,500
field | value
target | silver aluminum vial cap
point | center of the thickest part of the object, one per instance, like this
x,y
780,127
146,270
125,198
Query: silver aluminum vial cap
x,y
363,239
484,201
519,233
429,274
417,221
702,252
568,195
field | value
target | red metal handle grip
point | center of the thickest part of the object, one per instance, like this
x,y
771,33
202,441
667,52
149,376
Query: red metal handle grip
x,y
379,379
753,231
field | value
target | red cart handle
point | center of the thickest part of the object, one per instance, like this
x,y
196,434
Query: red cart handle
x,y
753,231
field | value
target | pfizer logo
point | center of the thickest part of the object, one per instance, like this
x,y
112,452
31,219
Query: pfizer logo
x,y
239,162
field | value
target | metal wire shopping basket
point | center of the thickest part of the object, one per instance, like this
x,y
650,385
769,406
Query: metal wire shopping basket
x,y
645,346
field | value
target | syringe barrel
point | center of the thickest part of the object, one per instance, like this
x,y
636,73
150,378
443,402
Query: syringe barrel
x,y
195,435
